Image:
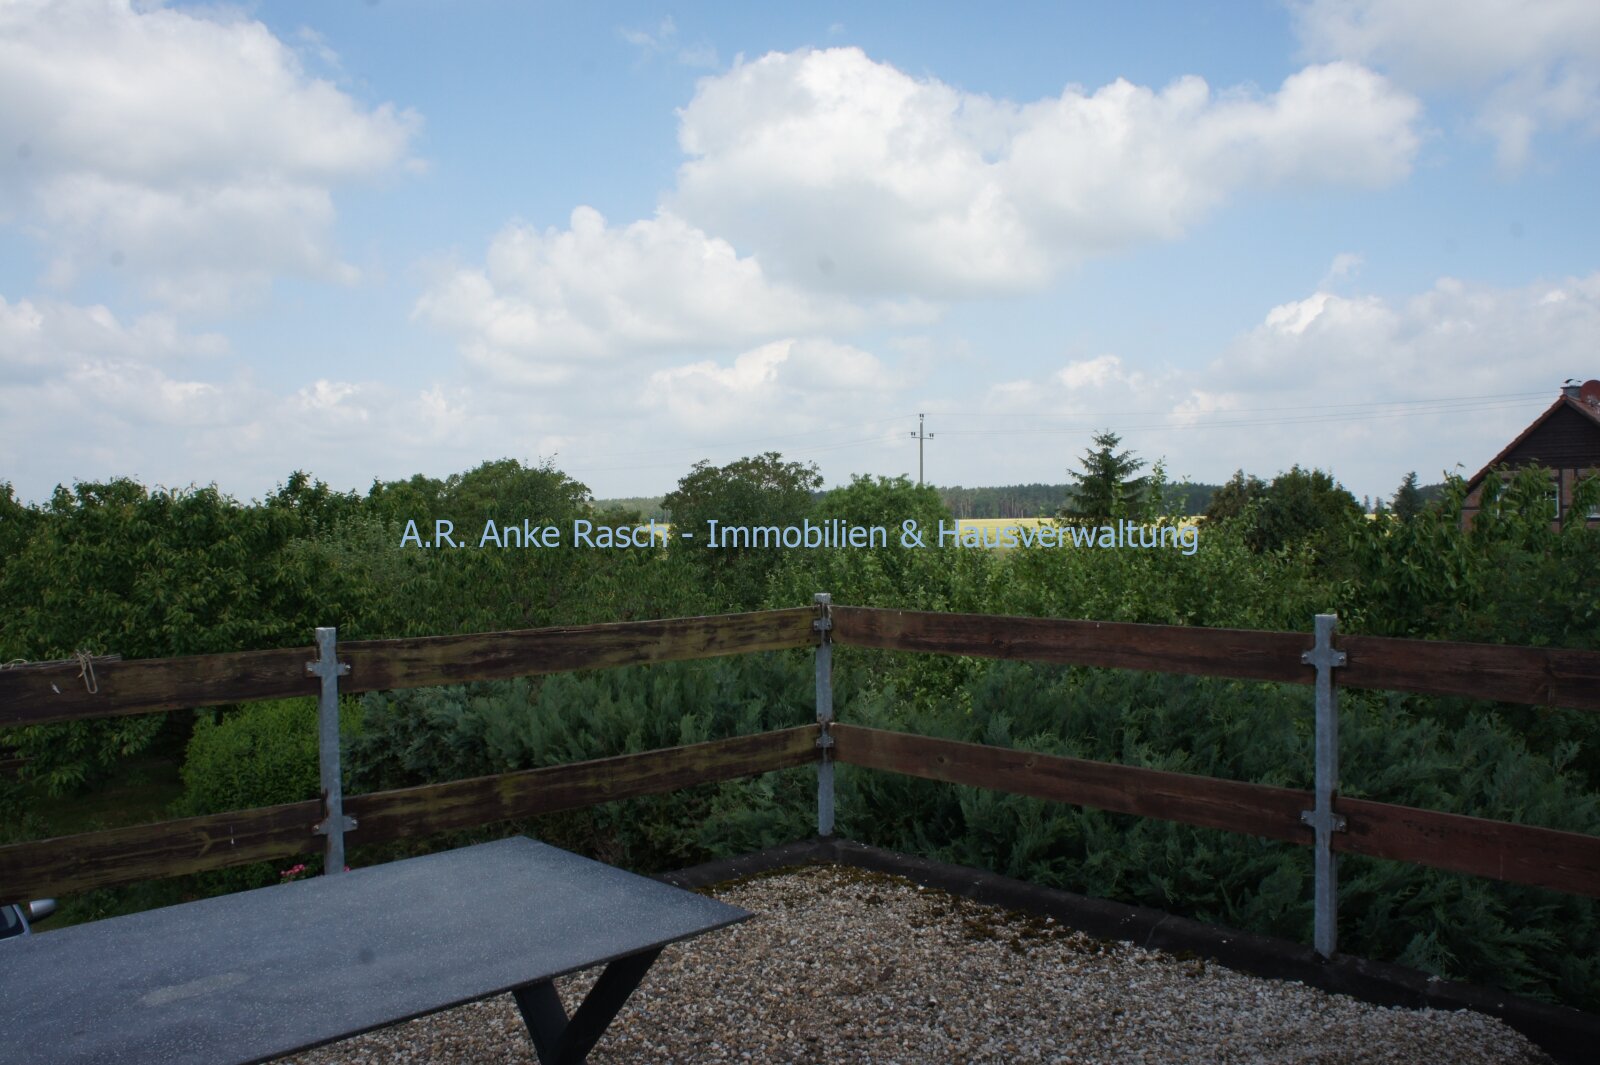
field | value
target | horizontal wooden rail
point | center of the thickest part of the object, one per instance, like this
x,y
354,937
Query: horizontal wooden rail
x,y
1534,676
1538,676
1499,850
1253,809
70,864
1238,653
1521,854
1541,676
388,815
57,692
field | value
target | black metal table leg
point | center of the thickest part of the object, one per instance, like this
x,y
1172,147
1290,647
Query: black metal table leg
x,y
559,1041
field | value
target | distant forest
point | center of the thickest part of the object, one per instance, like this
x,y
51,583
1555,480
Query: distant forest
x,y
1005,501
1044,500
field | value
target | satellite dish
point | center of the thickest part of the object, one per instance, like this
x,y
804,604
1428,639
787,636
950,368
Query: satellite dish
x,y
1590,393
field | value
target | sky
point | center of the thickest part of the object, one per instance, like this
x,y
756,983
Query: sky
x,y
373,239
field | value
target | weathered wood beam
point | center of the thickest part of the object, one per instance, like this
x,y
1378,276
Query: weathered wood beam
x,y
1534,676
1539,676
1166,648
378,665
432,808
57,693
1252,809
69,864
66,865
1499,850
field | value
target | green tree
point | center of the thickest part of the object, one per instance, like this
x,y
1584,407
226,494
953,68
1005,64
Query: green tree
x,y
17,523
886,501
763,491
504,490
495,581
1105,489
1298,509
1301,508
116,568
888,575
1231,500
1407,502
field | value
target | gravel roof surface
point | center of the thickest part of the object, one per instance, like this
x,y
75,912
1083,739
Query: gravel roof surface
x,y
840,964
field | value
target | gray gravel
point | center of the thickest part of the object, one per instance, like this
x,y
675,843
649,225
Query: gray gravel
x,y
844,965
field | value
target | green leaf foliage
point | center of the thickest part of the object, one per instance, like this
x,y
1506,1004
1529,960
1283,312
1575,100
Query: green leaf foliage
x,y
435,734
119,568
1531,941
261,754
762,491
114,568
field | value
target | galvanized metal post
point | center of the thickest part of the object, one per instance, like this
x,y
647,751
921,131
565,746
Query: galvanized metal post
x,y
824,626
1322,818
334,823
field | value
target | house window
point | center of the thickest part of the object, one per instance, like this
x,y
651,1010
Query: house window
x,y
1555,500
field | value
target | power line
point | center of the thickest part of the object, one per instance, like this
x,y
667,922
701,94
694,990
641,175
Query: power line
x,y
1320,413
1431,401
1235,423
701,448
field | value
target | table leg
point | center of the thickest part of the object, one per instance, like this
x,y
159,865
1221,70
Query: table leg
x,y
559,1041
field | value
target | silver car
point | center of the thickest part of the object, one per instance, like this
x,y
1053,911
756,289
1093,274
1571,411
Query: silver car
x,y
15,918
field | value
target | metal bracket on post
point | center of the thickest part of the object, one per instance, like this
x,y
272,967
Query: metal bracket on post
x,y
334,823
824,626
1322,818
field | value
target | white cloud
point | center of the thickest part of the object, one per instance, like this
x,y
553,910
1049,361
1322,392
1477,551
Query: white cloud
x,y
1527,65
1366,387
1344,267
82,391
191,148
1350,383
1090,373
665,39
842,173
786,382
545,304
43,338
1455,339
826,193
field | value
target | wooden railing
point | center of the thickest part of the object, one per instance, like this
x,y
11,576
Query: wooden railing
x,y
1565,861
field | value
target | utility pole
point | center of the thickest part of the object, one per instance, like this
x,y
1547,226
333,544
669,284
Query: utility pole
x,y
921,436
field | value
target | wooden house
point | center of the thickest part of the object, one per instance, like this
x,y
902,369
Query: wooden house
x,y
1565,440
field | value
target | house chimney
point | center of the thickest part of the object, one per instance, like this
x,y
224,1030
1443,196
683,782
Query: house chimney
x,y
1571,388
